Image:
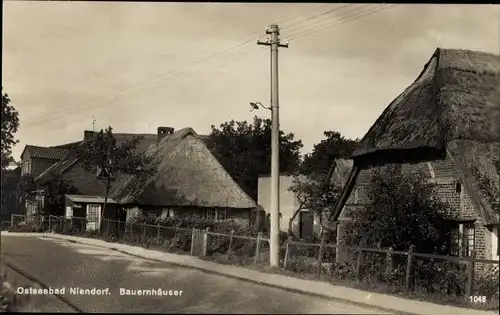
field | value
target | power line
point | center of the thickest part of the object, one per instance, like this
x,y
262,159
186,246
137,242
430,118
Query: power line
x,y
318,15
330,18
342,21
301,14
110,101
173,74
157,80
119,89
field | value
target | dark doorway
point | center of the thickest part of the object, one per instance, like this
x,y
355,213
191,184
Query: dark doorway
x,y
306,224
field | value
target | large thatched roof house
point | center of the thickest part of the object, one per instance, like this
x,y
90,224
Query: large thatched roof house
x,y
187,179
447,124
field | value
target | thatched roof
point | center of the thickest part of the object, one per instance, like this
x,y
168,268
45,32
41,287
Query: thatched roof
x,y
455,97
186,174
453,108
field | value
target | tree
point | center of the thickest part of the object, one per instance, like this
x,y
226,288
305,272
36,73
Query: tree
x,y
25,190
102,155
326,151
10,180
245,151
10,124
316,193
312,187
54,190
405,210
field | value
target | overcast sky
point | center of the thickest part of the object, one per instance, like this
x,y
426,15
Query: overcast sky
x,y
132,65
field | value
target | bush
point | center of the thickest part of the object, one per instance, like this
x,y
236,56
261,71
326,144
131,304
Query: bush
x,y
486,284
92,233
10,301
57,227
179,239
27,227
302,264
440,276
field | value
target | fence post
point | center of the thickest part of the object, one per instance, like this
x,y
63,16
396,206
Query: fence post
x,y
50,224
108,227
320,257
470,274
257,247
409,262
11,221
341,255
287,252
193,233
143,231
388,262
158,234
359,262
230,244
205,242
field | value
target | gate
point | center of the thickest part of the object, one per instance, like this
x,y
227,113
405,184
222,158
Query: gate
x,y
197,243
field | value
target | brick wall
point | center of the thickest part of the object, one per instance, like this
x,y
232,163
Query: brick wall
x,y
463,207
482,240
446,179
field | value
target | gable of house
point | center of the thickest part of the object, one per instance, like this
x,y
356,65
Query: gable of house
x,y
35,159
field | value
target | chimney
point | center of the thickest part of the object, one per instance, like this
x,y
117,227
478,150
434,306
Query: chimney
x,y
88,134
164,131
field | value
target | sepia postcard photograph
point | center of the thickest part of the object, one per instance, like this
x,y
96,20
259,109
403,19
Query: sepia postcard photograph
x,y
250,158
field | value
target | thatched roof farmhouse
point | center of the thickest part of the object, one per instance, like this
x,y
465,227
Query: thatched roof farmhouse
x,y
187,174
187,178
449,116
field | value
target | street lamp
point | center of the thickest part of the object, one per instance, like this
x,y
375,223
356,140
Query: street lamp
x,y
274,242
256,105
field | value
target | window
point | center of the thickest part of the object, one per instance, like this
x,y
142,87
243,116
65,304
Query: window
x,y
462,239
468,239
26,168
455,241
93,212
216,214
356,195
211,214
495,233
221,214
458,187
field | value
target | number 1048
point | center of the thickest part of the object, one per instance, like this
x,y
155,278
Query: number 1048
x,y
477,299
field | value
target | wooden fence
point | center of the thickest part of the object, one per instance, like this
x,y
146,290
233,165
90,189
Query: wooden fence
x,y
259,240
199,239
410,259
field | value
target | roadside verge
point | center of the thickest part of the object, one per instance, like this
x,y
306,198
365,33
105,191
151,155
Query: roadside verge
x,y
391,304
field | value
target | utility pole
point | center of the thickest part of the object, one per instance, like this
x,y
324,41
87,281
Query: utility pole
x,y
273,40
93,124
